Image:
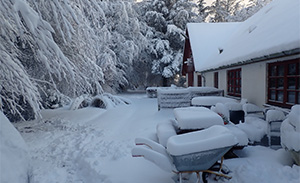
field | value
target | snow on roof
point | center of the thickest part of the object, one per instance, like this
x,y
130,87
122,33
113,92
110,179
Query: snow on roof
x,y
274,29
204,38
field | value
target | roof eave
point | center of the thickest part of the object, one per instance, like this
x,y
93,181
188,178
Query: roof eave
x,y
257,59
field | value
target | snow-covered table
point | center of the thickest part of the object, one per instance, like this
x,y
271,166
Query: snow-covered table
x,y
194,118
209,101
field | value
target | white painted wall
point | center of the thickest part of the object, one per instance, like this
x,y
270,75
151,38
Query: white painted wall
x,y
254,82
195,79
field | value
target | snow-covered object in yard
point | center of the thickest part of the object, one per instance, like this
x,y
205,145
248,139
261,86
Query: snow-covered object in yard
x,y
236,113
211,138
172,98
233,106
273,29
239,134
255,128
151,92
290,131
14,157
220,108
151,144
196,118
205,91
294,117
164,131
253,110
274,116
80,102
161,160
105,101
211,100
274,119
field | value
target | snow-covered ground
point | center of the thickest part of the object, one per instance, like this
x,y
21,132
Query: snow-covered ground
x,y
93,145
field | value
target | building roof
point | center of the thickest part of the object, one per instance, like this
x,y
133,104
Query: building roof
x,y
274,29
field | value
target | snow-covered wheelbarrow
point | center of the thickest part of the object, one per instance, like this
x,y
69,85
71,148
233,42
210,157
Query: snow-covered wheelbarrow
x,y
193,152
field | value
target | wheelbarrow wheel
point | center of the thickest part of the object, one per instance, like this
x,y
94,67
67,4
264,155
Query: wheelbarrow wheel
x,y
205,176
216,168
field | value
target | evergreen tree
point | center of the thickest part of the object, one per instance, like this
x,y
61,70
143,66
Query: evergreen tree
x,y
202,10
166,20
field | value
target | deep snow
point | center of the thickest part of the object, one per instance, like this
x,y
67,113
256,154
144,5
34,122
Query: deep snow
x,y
94,145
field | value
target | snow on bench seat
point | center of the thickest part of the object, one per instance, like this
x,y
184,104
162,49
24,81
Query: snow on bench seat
x,y
196,118
211,138
211,100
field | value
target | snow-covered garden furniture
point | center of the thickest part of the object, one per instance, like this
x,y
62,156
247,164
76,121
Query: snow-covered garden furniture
x,y
165,130
151,92
205,91
196,118
290,133
208,101
252,110
172,98
236,113
196,152
274,119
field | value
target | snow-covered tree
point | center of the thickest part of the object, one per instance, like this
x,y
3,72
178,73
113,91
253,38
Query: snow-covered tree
x,y
248,10
166,21
33,63
233,10
202,10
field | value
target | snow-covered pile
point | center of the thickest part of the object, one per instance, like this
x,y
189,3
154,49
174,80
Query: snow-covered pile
x,y
196,118
105,101
14,157
211,138
290,130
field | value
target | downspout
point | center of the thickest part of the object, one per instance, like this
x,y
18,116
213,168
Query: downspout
x,y
204,79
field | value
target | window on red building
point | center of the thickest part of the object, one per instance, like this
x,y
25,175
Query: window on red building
x,y
234,82
284,83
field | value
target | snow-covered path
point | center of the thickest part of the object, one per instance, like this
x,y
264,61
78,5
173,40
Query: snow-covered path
x,y
93,145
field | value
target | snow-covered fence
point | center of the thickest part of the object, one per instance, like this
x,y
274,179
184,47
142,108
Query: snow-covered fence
x,y
181,97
